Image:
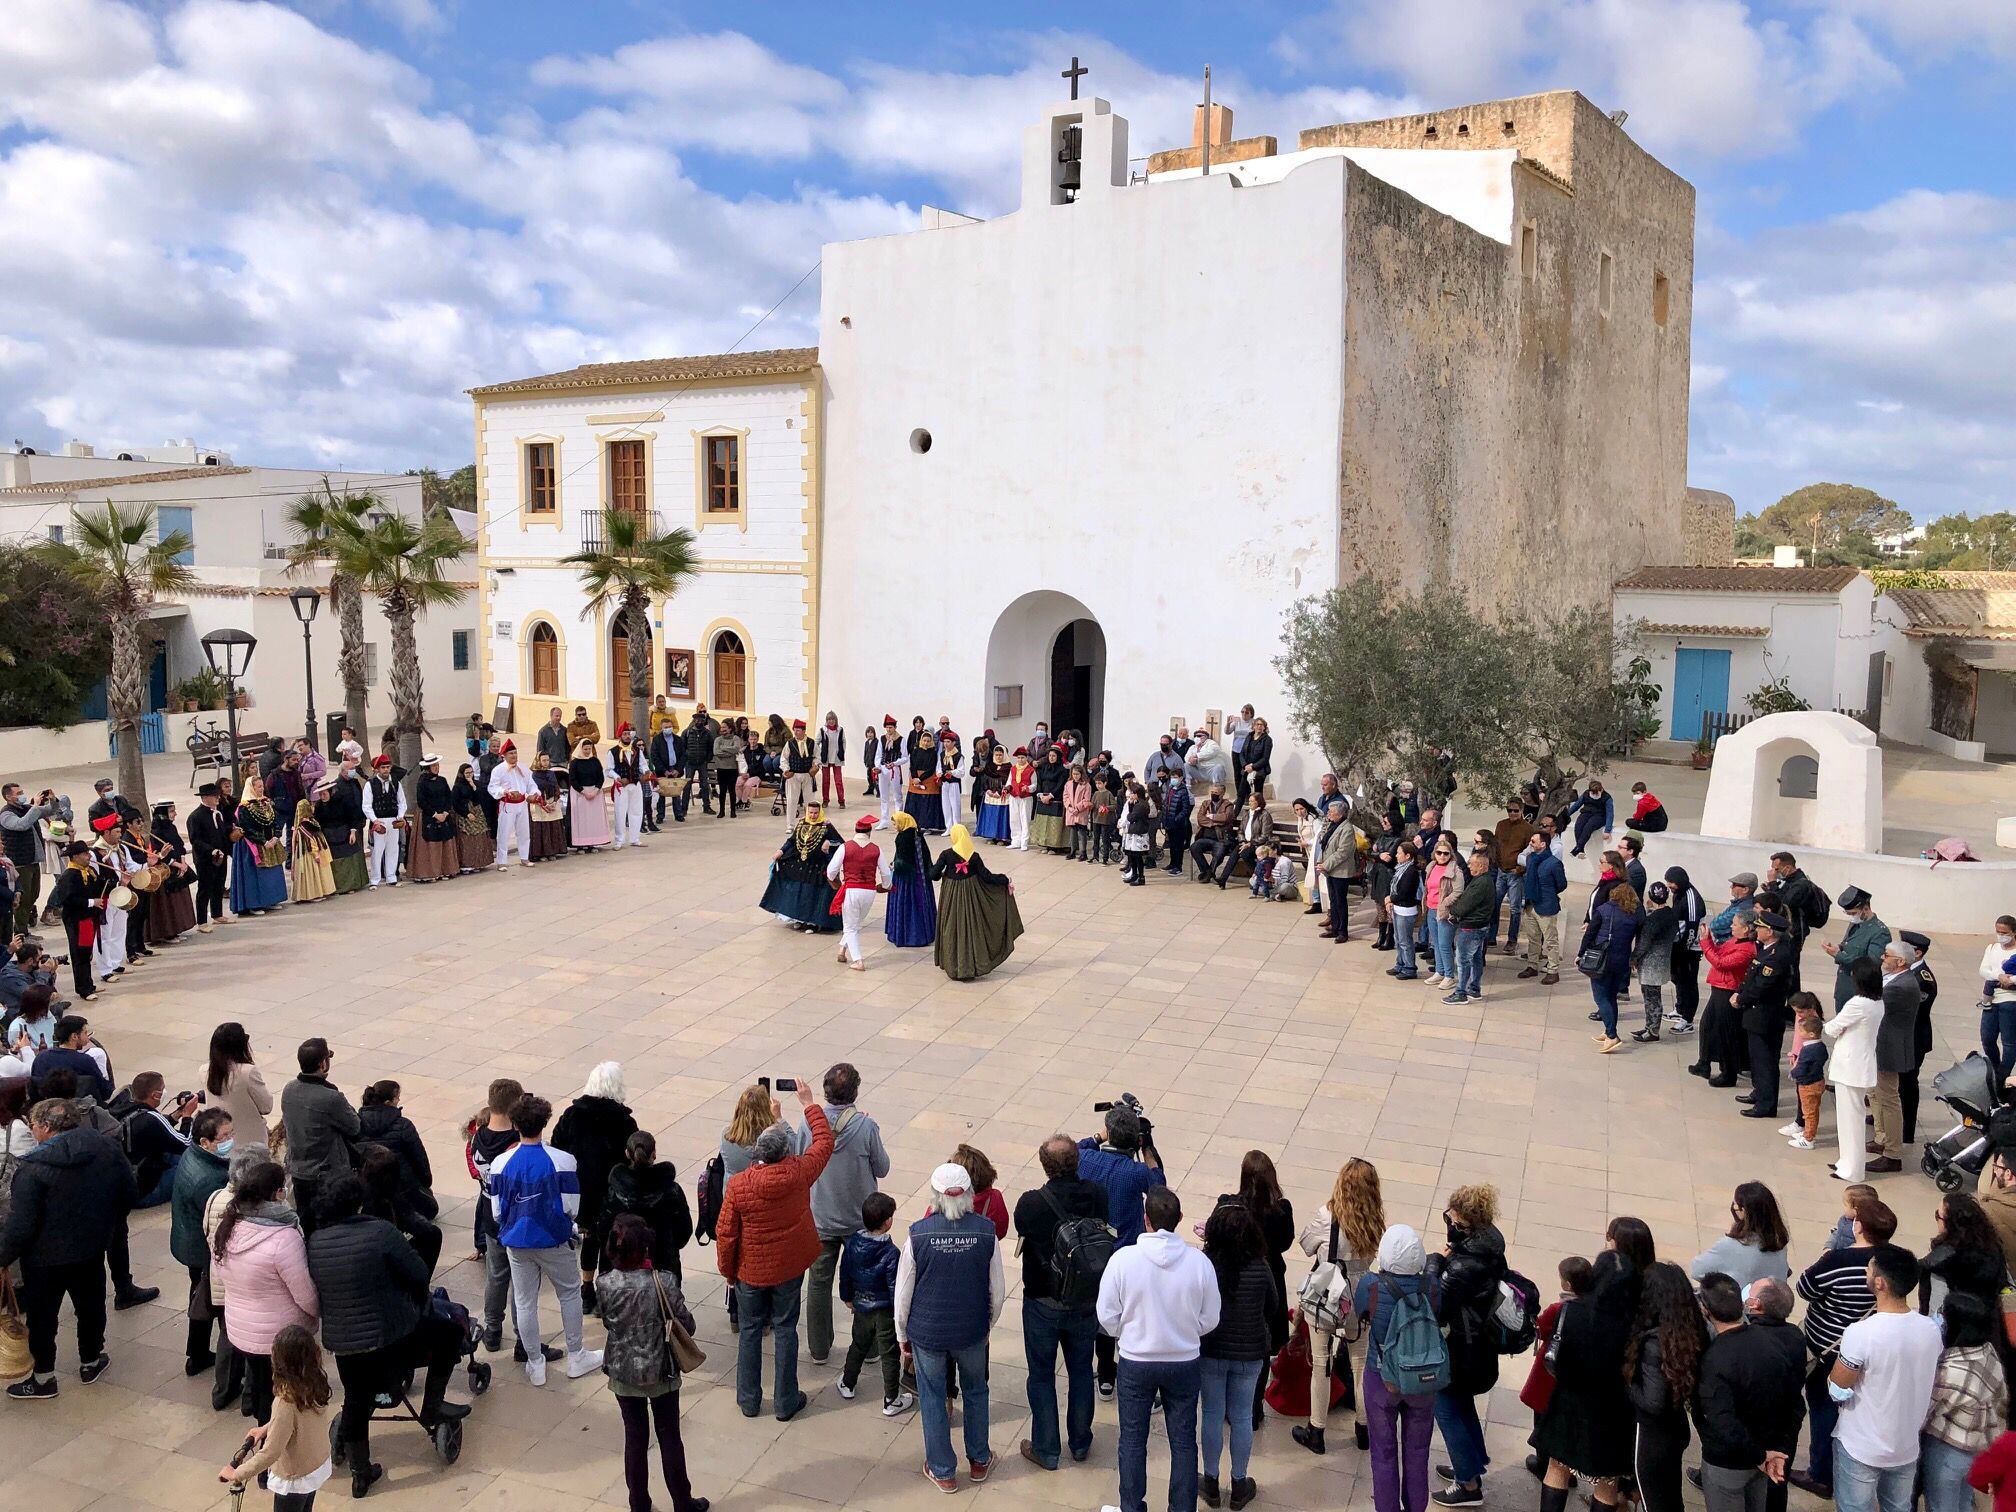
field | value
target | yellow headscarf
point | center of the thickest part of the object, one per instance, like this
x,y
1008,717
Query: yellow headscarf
x,y
961,841
905,821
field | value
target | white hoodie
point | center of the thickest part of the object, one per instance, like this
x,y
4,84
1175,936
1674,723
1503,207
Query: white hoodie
x,y
1159,1297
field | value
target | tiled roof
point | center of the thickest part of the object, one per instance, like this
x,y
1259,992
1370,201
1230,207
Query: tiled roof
x,y
779,362
1739,579
1760,631
123,480
1987,612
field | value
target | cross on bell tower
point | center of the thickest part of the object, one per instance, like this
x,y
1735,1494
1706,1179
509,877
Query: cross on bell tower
x,y
1074,73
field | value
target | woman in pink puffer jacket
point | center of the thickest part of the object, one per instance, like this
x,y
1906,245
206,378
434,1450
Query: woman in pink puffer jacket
x,y
262,1261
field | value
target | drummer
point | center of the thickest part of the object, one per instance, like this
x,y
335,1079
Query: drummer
x,y
117,898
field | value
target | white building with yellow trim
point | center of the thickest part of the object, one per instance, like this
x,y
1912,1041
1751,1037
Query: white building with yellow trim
x,y
726,446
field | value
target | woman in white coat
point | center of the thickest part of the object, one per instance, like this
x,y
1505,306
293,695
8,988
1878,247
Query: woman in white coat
x,y
1851,1065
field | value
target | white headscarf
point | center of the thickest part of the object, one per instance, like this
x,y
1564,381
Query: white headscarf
x,y
1400,1252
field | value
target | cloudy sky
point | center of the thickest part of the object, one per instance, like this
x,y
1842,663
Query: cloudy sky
x,y
300,233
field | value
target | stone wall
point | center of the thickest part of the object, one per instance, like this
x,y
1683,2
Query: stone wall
x,y
1708,529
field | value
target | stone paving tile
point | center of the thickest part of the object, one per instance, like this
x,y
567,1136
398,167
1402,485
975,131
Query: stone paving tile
x,y
1235,1027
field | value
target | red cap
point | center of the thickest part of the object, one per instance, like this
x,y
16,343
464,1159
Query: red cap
x,y
888,719
863,824
506,748
624,729
378,761
105,825
1021,750
797,724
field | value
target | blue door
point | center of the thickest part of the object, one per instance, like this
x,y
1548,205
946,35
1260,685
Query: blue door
x,y
1700,687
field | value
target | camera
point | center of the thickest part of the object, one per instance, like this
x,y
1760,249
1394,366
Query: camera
x,y
1147,1153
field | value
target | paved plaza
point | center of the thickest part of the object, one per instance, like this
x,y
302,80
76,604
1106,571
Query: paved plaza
x,y
1228,1017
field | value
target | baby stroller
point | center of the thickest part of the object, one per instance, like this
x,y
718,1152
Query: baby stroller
x,y
447,1435
1955,1160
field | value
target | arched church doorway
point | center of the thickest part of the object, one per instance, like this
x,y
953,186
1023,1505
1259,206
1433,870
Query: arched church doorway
x,y
620,630
1046,663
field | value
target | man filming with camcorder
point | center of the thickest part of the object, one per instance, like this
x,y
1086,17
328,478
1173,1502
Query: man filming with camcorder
x,y
1125,1163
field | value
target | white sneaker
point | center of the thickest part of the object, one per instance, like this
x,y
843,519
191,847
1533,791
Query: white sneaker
x,y
1791,1128
1800,1142
846,1391
899,1404
535,1367
584,1362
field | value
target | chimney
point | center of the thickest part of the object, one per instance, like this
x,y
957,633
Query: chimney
x,y
77,449
1784,556
1221,126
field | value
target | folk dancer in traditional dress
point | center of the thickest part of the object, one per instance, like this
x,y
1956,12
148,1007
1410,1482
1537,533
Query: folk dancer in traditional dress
x,y
798,892
437,849
860,871
385,816
1021,789
473,841
549,811
911,919
173,911
949,761
339,809
308,853
920,798
258,855
990,797
1046,821
799,758
833,761
889,771
978,922
108,955
629,770
587,815
513,788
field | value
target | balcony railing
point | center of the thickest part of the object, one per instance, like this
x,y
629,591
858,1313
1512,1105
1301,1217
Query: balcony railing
x,y
595,525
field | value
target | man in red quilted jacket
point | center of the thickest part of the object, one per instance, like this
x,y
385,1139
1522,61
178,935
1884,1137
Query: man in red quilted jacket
x,y
765,1241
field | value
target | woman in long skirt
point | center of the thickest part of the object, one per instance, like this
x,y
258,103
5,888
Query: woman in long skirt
x,y
978,922
587,808
990,798
921,799
437,852
173,913
911,919
798,892
549,812
339,809
309,862
474,846
1046,816
259,855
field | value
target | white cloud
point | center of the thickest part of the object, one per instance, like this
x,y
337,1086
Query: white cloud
x,y
1709,77
1871,346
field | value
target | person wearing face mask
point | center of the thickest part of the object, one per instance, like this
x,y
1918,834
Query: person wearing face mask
x,y
1163,762
1998,998
1865,940
203,1170
1465,1277
1039,742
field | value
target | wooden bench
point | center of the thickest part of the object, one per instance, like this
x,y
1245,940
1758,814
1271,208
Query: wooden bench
x,y
213,752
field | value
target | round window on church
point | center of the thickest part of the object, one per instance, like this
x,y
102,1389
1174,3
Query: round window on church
x,y
920,440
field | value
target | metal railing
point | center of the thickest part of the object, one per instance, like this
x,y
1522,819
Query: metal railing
x,y
595,526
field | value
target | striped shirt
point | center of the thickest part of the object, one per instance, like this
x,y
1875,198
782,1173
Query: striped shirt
x,y
1836,1289
535,1191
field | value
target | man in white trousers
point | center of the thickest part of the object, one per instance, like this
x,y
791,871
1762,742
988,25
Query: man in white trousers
x,y
629,771
1021,798
384,816
949,782
513,788
860,871
890,765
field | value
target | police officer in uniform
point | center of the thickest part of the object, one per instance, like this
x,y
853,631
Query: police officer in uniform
x,y
1919,946
1866,937
1761,1001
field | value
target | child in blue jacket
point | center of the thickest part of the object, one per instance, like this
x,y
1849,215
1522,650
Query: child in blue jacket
x,y
868,1265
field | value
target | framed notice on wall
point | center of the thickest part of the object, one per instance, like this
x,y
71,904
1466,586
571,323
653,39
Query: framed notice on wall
x,y
1008,702
505,713
679,674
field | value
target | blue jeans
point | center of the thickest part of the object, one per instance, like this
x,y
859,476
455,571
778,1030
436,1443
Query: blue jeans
x,y
1047,1326
163,1189
1469,960
1462,1434
1942,1470
1822,1412
777,1307
1177,1383
1228,1387
1864,1488
1403,941
1998,1023
1445,947
1507,885
933,1365
1604,990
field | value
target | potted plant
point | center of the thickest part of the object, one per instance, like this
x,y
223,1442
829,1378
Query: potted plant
x,y
1704,752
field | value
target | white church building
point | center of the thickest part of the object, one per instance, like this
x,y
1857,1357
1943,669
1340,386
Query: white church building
x,y
1074,463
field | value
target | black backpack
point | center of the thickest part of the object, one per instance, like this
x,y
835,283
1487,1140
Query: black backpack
x,y
1079,1253
708,1195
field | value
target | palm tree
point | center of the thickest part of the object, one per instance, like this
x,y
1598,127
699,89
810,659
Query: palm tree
x,y
318,518
635,566
119,555
406,563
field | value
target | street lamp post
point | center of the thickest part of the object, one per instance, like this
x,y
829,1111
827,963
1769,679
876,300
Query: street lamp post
x,y
306,601
230,652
